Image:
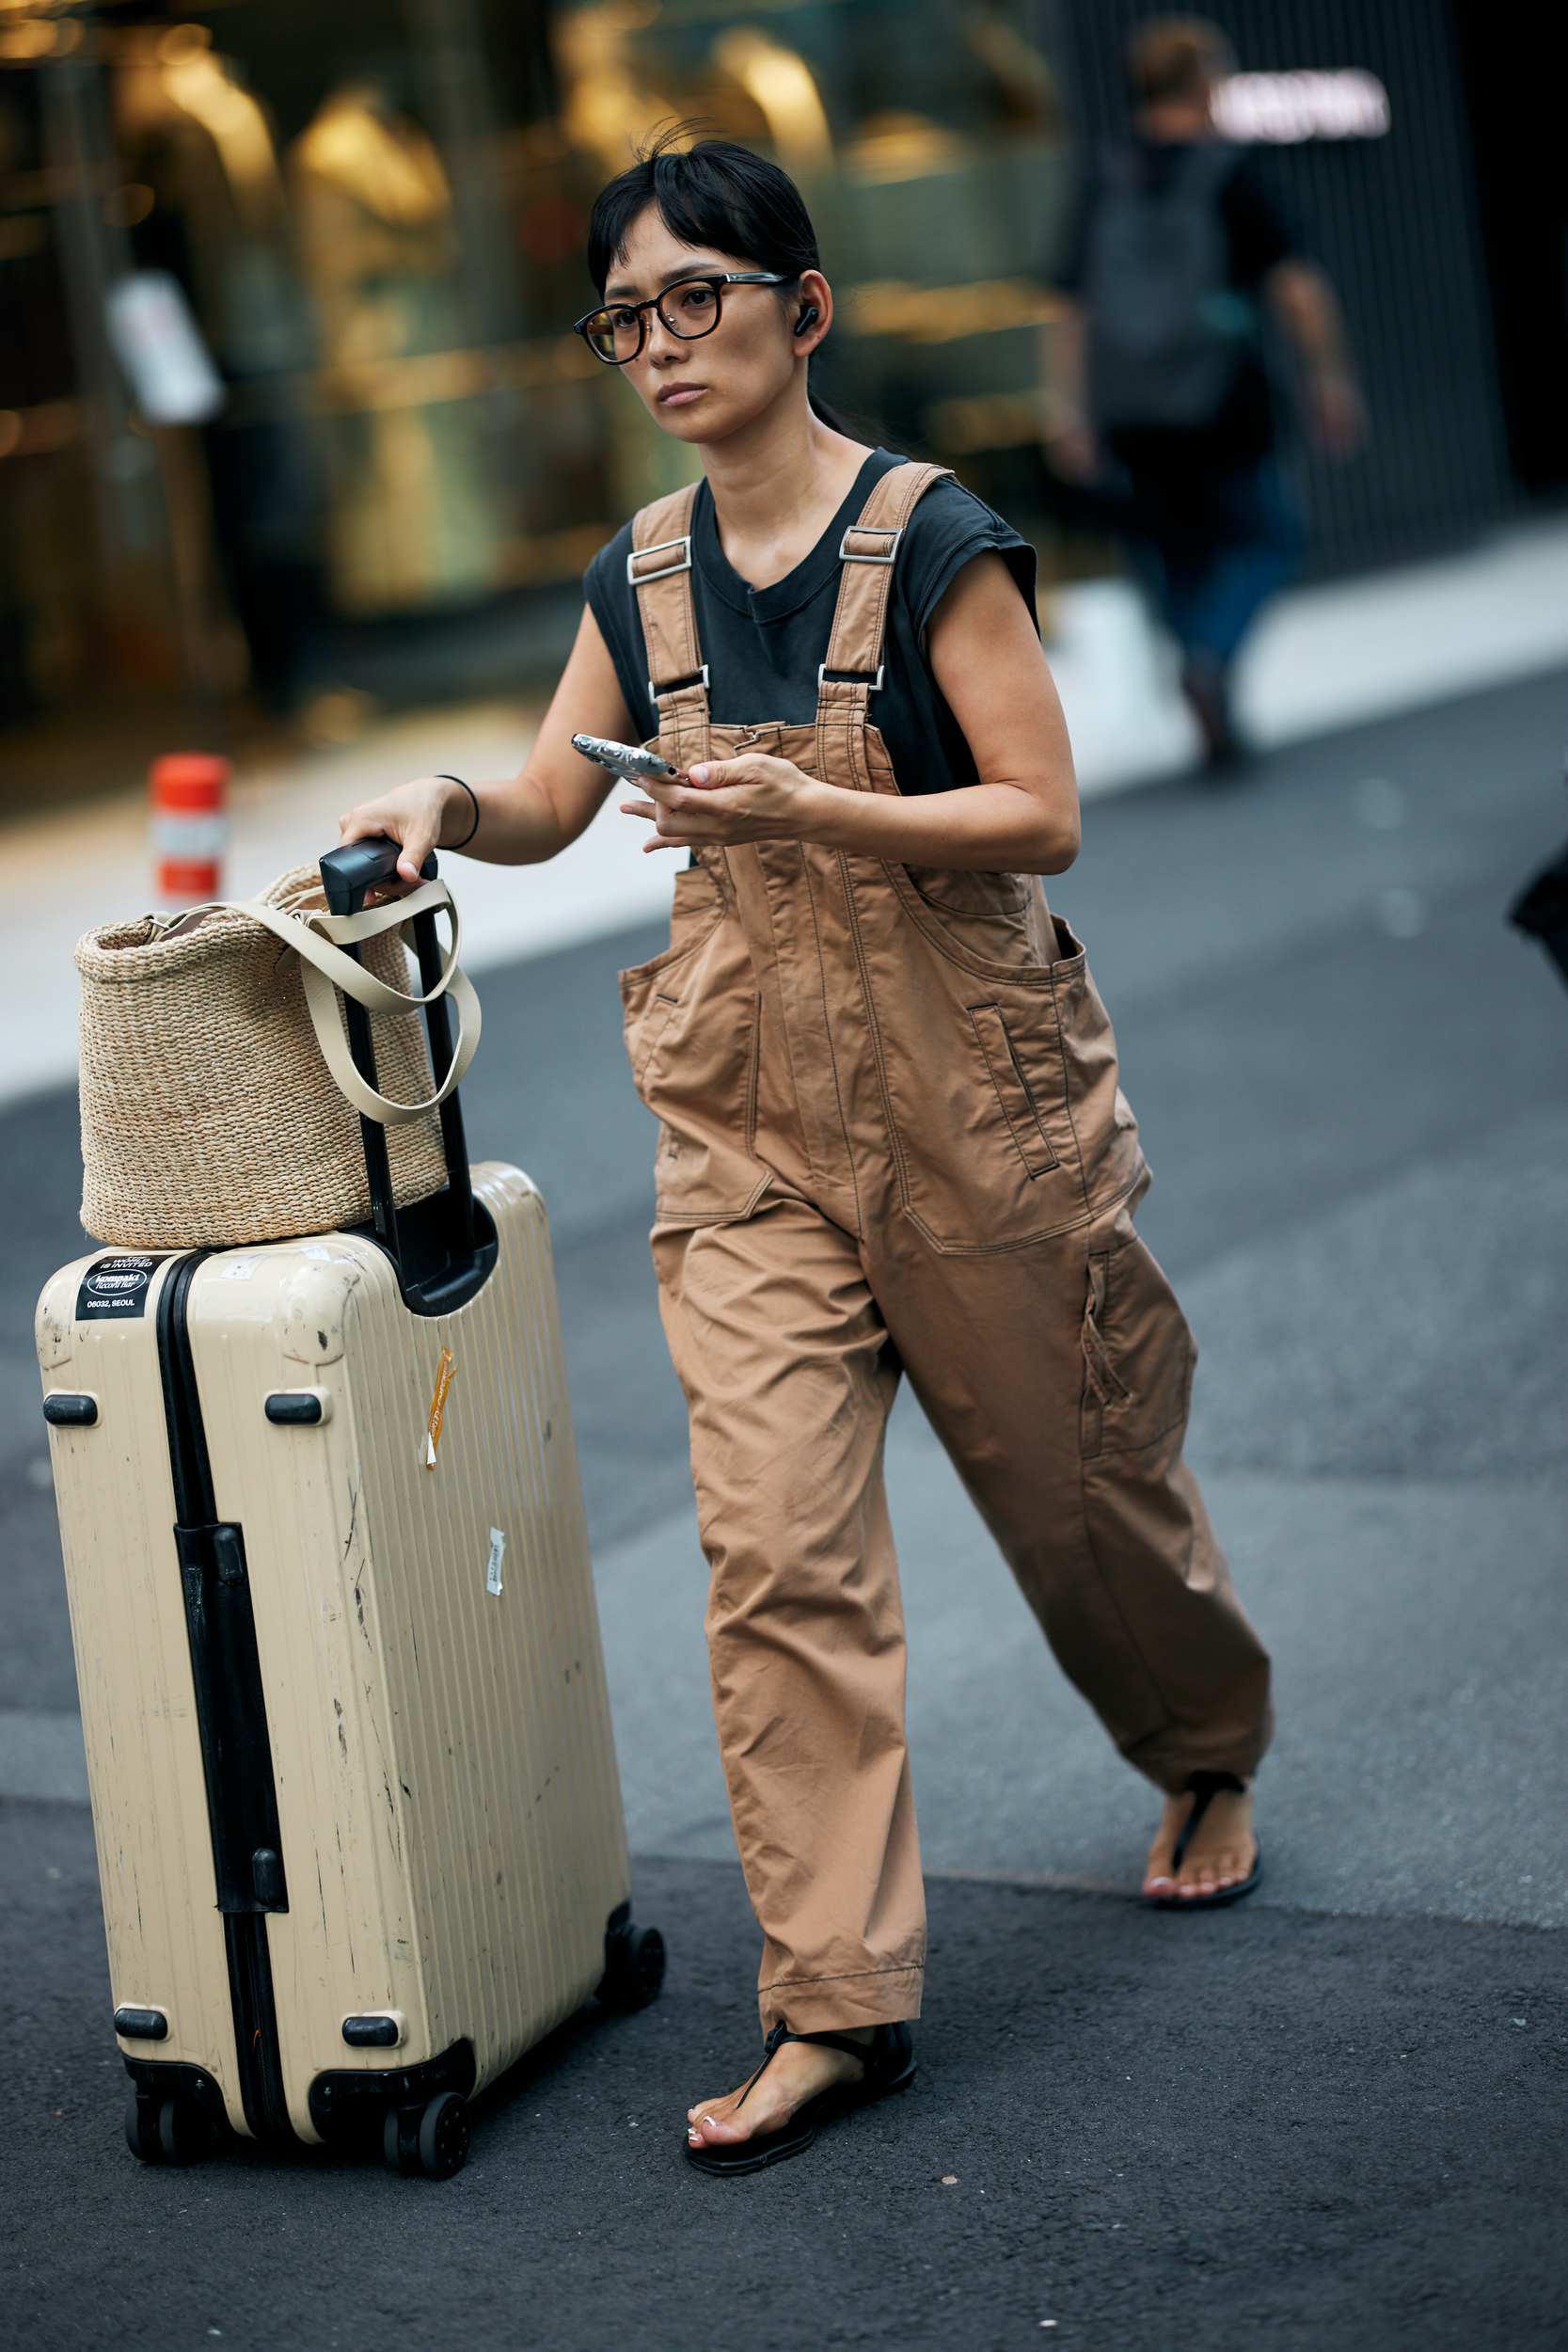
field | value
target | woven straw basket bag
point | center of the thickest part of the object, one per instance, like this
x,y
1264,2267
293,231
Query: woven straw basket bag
x,y
219,1101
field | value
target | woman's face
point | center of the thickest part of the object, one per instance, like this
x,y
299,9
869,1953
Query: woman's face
x,y
708,387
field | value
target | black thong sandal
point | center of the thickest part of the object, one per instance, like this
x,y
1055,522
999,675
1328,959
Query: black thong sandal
x,y
889,2063
1206,1787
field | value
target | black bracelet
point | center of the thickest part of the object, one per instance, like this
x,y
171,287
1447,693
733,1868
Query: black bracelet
x,y
474,796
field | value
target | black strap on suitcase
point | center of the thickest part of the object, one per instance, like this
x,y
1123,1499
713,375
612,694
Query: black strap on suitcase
x,y
443,1249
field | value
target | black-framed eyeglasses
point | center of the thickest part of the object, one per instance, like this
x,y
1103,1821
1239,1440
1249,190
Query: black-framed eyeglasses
x,y
690,309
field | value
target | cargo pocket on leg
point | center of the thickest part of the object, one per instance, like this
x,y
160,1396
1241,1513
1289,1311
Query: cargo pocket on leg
x,y
1138,1354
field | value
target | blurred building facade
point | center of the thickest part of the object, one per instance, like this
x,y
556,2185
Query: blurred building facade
x,y
376,214
1385,198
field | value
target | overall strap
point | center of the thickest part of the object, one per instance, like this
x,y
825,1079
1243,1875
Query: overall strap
x,y
659,570
852,672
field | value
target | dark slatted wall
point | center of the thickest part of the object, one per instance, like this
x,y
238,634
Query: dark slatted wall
x,y
1393,221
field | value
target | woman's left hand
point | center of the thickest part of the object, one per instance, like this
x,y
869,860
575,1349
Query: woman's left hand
x,y
722,802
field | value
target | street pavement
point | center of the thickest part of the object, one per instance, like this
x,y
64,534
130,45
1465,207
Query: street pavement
x,y
1337,2110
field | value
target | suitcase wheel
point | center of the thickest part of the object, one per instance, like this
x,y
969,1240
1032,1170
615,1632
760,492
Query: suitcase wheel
x,y
633,1967
433,2140
141,2127
165,2131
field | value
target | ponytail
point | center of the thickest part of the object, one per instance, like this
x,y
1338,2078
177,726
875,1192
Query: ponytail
x,y
827,416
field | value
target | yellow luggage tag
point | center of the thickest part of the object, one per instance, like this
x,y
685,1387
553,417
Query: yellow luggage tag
x,y
444,1371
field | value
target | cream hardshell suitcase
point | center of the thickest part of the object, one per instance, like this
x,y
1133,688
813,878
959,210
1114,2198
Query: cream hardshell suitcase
x,y
359,1822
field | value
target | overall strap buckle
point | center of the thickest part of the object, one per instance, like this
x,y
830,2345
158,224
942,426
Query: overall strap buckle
x,y
664,572
674,685
857,642
847,554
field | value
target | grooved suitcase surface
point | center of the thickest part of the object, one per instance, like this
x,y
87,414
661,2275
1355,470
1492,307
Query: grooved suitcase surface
x,y
116,1500
449,1808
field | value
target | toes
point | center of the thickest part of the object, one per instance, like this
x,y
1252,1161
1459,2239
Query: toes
x,y
1214,1874
712,2131
712,2123
1160,1868
1211,1865
1159,1874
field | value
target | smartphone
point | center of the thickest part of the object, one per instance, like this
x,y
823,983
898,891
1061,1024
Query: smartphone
x,y
623,760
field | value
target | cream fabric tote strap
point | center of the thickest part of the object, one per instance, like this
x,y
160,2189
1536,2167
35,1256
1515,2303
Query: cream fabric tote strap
x,y
325,969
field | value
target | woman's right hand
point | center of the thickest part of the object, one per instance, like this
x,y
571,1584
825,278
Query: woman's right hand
x,y
414,816
526,818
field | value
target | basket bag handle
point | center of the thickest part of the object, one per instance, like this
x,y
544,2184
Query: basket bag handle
x,y
328,946
319,940
347,872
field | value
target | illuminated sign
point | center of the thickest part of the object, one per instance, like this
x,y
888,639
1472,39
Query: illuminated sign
x,y
1286,108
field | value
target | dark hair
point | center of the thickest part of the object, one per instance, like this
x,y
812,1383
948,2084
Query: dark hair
x,y
1174,56
715,192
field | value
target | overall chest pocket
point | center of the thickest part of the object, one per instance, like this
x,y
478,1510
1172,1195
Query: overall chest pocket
x,y
1020,1105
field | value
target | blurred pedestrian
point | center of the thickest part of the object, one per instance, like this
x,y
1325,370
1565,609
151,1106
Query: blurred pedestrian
x,y
891,1137
1156,388
1540,910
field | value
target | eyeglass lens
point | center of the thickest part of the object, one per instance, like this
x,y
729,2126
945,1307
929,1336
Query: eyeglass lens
x,y
689,310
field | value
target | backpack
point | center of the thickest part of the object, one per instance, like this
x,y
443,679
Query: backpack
x,y
1168,333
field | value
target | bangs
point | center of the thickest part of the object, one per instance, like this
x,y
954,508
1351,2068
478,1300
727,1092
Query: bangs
x,y
717,195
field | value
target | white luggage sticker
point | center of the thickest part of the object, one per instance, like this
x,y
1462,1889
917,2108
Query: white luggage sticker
x,y
493,1573
444,1371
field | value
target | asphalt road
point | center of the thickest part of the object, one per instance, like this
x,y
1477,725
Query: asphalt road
x,y
1273,2129
1337,2110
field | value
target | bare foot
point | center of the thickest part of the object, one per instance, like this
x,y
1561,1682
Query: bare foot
x,y
798,2071
1221,1851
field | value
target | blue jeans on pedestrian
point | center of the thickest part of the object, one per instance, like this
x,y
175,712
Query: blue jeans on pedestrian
x,y
1214,545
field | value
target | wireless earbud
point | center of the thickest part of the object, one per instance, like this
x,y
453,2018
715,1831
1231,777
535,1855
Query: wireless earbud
x,y
808,317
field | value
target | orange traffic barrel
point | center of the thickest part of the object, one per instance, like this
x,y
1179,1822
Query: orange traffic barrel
x,y
189,794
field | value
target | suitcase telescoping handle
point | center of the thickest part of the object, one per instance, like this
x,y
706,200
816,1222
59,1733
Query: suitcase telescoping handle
x,y
347,874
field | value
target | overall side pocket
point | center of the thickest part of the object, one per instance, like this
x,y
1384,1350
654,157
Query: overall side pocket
x,y
1019,1106
1138,1352
692,1037
651,991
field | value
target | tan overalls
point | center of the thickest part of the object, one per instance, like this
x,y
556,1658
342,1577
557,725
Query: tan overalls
x,y
893,1139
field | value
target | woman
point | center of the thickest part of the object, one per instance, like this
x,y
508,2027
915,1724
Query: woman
x,y
891,1136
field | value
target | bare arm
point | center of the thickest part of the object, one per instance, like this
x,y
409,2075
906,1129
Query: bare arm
x,y
1072,445
1306,306
522,819
1021,817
